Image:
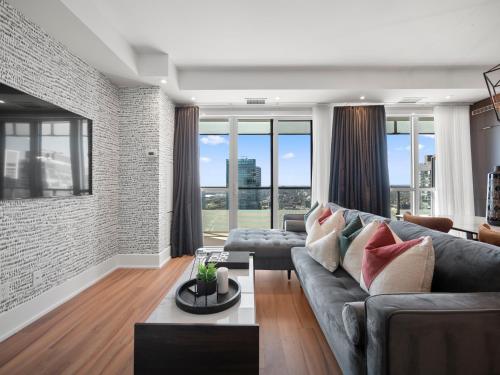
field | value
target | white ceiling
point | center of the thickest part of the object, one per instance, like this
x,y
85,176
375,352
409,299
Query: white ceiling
x,y
304,52
312,32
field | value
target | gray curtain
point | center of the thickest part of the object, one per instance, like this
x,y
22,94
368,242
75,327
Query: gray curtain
x,y
186,234
359,174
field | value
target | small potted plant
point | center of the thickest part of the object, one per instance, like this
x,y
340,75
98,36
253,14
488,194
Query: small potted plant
x,y
206,279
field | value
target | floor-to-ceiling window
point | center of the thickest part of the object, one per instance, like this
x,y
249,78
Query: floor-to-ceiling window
x,y
252,172
411,156
214,180
294,169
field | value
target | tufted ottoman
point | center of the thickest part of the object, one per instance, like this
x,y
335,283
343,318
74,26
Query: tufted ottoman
x,y
271,246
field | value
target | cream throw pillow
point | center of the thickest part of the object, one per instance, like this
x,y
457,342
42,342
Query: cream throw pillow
x,y
354,255
311,219
325,251
409,272
335,221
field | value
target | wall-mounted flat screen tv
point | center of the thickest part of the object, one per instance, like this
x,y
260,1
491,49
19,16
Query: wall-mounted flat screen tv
x,y
45,150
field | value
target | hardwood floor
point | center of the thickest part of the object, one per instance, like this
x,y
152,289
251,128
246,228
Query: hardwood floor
x,y
93,332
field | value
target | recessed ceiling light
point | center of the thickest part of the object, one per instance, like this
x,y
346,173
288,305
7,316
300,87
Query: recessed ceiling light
x,y
193,98
362,97
2,102
163,81
277,98
447,97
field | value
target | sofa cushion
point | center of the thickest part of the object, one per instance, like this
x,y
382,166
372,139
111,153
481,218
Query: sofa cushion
x,y
313,207
295,226
325,251
327,212
392,266
265,242
335,222
353,257
353,315
327,293
311,218
461,266
348,235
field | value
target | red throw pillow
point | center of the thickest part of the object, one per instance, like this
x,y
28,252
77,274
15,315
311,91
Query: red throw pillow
x,y
381,250
325,215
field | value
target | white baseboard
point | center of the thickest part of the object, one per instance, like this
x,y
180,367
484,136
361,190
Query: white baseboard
x,y
20,316
143,260
164,257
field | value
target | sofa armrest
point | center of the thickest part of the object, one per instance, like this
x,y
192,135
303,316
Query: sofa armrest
x,y
433,333
294,226
294,223
354,318
293,217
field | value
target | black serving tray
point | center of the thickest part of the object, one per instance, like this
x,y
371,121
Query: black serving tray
x,y
187,300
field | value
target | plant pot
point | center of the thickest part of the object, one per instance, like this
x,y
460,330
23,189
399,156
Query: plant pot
x,y
204,288
493,198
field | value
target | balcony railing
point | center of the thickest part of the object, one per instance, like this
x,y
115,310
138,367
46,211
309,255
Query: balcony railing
x,y
402,199
254,207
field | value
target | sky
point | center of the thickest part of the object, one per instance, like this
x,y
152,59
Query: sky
x,y
293,151
294,157
399,156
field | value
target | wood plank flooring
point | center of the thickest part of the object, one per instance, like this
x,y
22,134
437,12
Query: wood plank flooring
x,y
93,332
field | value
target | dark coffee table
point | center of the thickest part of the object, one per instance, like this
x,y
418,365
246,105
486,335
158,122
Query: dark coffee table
x,y
174,341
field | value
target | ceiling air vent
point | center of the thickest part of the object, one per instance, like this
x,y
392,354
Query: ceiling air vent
x,y
411,100
256,100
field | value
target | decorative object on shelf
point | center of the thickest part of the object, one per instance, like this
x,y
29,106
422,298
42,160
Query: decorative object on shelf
x,y
493,197
206,279
222,280
492,79
229,259
189,301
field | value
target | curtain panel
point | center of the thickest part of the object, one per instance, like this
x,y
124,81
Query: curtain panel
x,y
359,174
454,184
322,140
186,233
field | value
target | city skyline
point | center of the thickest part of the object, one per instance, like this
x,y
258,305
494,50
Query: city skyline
x,y
294,158
399,156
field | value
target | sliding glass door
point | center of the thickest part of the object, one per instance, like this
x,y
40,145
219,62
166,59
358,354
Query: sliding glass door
x,y
253,171
411,158
254,174
294,167
214,179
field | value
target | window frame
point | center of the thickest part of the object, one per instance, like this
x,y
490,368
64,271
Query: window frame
x,y
414,187
232,187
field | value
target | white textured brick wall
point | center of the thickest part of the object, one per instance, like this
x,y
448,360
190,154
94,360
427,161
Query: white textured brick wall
x,y
66,236
146,124
61,236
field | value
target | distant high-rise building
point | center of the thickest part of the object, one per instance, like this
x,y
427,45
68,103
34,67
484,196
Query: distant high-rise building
x,y
249,176
426,172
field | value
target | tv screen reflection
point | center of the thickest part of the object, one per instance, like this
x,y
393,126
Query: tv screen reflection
x,y
44,150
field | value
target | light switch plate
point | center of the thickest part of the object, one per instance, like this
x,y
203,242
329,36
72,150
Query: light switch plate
x,y
37,278
4,292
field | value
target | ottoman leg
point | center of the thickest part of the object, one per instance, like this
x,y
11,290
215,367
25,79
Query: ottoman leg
x,y
289,274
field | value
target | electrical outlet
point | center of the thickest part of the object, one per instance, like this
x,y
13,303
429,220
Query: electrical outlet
x,y
37,278
4,292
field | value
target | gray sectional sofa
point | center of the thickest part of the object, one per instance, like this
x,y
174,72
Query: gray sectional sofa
x,y
453,330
